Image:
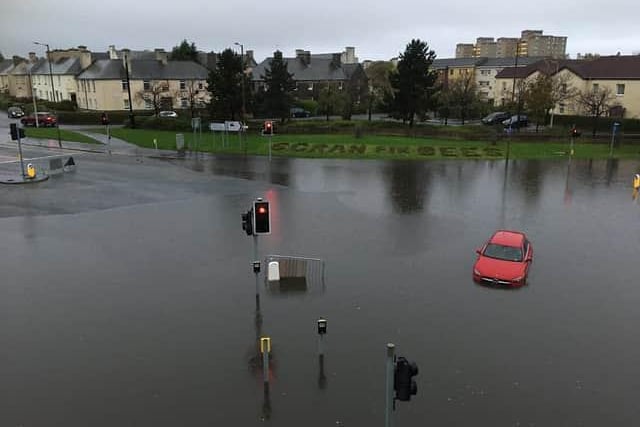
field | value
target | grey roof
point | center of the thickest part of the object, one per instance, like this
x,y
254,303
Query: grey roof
x,y
509,62
440,64
320,68
65,65
99,55
23,68
5,66
109,69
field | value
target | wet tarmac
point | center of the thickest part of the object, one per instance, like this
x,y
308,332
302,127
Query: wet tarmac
x,y
127,296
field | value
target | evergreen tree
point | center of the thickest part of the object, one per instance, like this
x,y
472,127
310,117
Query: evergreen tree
x,y
413,82
279,87
225,86
184,52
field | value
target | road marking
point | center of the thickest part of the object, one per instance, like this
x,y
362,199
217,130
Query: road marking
x,y
36,158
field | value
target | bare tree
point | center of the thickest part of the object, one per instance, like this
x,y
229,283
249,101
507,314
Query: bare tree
x,y
463,95
595,103
192,92
154,93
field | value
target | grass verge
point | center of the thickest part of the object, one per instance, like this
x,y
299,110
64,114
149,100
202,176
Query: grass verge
x,y
373,147
52,133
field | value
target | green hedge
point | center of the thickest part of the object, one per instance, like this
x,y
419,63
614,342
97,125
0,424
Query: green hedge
x,y
164,123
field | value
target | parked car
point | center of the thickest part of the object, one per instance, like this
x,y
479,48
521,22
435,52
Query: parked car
x,y
44,119
504,259
300,112
516,121
15,112
496,118
171,114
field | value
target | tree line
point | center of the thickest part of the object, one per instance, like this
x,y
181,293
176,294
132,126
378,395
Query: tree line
x,y
409,91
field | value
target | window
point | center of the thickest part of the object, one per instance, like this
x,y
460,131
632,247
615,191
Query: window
x,y
184,103
148,104
93,83
563,88
561,106
183,85
451,72
619,89
124,85
59,80
484,83
310,86
126,104
485,72
504,85
340,86
200,86
146,84
596,86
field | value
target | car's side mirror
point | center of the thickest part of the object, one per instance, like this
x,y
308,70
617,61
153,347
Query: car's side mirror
x,y
479,251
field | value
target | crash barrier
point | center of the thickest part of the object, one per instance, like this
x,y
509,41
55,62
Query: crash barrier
x,y
286,274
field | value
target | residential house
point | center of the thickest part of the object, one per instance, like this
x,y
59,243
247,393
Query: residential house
x,y
449,69
153,79
19,77
5,66
60,69
487,70
620,74
312,72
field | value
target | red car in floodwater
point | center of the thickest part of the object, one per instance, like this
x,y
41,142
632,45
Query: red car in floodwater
x,y
504,259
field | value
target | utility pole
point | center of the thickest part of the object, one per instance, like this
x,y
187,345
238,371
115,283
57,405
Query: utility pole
x,y
126,70
53,90
243,111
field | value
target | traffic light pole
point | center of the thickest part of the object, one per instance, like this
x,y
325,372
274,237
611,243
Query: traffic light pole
x,y
20,155
388,407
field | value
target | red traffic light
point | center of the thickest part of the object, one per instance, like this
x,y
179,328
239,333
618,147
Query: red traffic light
x,y
268,127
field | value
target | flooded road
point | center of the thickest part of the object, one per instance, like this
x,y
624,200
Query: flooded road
x,y
127,298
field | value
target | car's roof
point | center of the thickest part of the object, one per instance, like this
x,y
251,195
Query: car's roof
x,y
507,238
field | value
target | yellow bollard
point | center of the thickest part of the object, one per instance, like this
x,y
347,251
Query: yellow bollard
x,y
31,171
636,181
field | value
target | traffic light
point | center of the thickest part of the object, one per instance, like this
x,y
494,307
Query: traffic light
x,y
16,132
575,132
104,119
262,217
247,222
403,384
267,128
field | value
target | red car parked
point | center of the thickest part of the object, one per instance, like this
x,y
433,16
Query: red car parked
x,y
44,120
504,259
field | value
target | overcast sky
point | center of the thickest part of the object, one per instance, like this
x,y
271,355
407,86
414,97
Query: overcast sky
x,y
377,29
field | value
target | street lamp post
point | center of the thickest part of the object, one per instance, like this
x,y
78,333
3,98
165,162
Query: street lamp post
x,y
53,90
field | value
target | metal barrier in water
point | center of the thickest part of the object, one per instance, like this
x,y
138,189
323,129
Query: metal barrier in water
x,y
297,274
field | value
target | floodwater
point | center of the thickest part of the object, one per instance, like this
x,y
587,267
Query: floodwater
x,y
139,309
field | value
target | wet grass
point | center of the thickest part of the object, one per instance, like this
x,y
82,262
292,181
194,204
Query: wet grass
x,y
374,147
52,133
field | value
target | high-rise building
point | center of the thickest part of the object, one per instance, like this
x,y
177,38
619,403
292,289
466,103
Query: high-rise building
x,y
464,50
532,43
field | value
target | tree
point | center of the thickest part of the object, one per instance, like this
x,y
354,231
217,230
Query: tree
x,y
330,99
544,93
154,93
225,85
355,92
463,95
279,87
413,82
184,52
595,103
378,74
192,92
1,57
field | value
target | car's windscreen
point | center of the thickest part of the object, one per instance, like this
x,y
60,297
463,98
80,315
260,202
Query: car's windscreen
x,y
507,253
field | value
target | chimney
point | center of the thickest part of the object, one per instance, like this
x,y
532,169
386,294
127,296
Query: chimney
x,y
307,57
32,57
161,56
249,57
350,55
113,54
